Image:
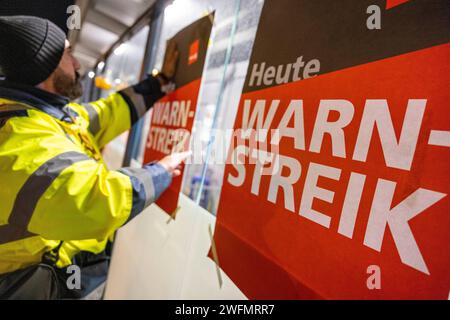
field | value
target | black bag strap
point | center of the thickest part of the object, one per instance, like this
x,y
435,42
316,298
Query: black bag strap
x,y
39,281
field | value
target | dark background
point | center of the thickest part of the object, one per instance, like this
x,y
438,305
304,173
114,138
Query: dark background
x,y
54,10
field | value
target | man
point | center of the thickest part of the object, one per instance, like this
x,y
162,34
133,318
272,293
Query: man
x,y
59,203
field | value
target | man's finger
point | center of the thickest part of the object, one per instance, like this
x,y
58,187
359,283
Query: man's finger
x,y
179,157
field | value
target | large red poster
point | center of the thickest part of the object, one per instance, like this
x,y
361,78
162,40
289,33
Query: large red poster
x,y
354,204
173,115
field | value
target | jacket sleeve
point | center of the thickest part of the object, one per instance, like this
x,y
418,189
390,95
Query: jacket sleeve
x,y
111,116
64,194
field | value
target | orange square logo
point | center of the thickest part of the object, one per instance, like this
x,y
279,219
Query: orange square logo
x,y
193,52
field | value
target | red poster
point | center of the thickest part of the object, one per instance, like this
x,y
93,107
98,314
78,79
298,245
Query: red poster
x,y
173,116
357,128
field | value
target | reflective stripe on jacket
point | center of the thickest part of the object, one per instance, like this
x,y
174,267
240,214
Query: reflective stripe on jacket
x,y
54,185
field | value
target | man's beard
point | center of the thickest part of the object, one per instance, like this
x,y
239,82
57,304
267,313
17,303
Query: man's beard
x,y
66,86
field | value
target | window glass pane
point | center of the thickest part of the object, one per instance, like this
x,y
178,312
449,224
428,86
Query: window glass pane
x,y
123,69
123,66
245,14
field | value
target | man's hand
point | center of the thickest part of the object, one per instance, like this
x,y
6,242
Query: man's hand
x,y
170,60
172,163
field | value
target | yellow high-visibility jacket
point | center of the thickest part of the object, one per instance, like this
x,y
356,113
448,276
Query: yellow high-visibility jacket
x,y
54,186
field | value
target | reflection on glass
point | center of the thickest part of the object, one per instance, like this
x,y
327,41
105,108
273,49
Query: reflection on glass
x,y
177,16
123,66
122,69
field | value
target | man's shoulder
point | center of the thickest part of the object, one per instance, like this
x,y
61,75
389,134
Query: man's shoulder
x,y
21,118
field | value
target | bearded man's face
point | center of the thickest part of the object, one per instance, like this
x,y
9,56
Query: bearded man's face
x,y
68,85
66,77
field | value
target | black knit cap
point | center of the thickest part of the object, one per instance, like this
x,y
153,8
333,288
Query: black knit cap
x,y
30,48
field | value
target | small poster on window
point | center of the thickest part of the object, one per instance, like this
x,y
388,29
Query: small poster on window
x,y
338,176
173,115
